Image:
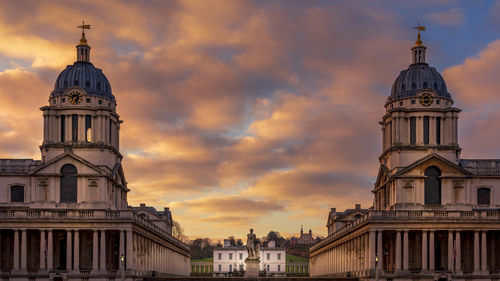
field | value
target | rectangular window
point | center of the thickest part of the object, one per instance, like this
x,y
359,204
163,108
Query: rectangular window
x,y
426,129
241,256
74,127
438,130
413,130
268,256
279,267
390,133
110,129
17,193
220,267
63,127
268,268
279,256
230,256
220,257
230,268
88,128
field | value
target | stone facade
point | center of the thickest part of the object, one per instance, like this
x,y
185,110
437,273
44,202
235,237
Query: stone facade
x,y
66,216
434,216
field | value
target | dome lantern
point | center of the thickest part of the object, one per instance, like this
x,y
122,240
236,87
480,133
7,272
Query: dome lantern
x,y
83,49
418,51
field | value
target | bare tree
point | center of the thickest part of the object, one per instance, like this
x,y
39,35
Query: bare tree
x,y
178,232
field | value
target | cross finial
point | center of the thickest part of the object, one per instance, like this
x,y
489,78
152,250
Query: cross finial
x,y
419,28
83,27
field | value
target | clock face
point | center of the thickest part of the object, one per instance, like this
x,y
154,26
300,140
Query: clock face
x,y
426,99
75,97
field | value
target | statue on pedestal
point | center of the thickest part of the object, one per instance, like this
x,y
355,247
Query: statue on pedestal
x,y
253,246
253,260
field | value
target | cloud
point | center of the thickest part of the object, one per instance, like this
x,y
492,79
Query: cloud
x,y
235,112
475,87
451,17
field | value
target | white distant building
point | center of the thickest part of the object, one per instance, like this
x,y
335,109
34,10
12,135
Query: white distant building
x,y
228,258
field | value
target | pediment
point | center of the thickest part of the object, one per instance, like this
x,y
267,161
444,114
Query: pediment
x,y
54,165
446,167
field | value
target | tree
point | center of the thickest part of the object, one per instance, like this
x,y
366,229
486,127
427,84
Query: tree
x,y
276,236
239,242
201,248
178,232
231,240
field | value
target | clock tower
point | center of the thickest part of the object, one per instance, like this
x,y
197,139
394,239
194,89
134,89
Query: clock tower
x,y
419,118
81,116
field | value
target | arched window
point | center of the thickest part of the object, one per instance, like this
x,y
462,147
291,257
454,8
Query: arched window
x,y
483,196
68,183
432,186
425,85
17,193
413,85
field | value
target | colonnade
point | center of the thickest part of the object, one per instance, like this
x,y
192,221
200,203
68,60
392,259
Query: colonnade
x,y
103,129
152,255
390,253
72,257
398,130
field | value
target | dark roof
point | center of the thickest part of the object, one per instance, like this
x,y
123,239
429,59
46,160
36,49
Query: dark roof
x,y
86,76
416,77
481,167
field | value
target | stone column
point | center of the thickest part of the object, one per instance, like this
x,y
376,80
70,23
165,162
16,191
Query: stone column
x,y
424,250
76,251
406,255
372,249
50,250
431,251
379,250
451,255
458,259
121,249
476,251
24,250
129,256
69,247
95,251
16,249
103,250
484,261
398,250
42,249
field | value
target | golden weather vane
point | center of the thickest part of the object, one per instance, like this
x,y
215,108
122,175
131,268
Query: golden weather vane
x,y
419,28
83,27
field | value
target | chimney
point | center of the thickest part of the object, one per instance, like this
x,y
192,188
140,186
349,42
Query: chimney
x,y
166,210
271,244
143,205
226,243
358,206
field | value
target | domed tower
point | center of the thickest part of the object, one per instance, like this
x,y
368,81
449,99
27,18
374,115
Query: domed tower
x,y
420,118
81,116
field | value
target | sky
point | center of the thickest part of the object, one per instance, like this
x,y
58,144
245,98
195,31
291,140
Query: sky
x,y
242,114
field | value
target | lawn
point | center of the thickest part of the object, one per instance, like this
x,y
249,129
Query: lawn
x,y
204,260
290,258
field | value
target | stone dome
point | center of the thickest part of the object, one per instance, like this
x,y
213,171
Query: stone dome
x,y
86,76
417,77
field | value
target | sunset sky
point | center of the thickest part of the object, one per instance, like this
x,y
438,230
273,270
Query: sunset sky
x,y
242,114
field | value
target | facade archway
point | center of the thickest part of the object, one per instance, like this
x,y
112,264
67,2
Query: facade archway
x,y
68,184
432,185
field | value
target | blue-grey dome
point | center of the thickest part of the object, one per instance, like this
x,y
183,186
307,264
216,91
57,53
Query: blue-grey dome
x,y
86,76
417,77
